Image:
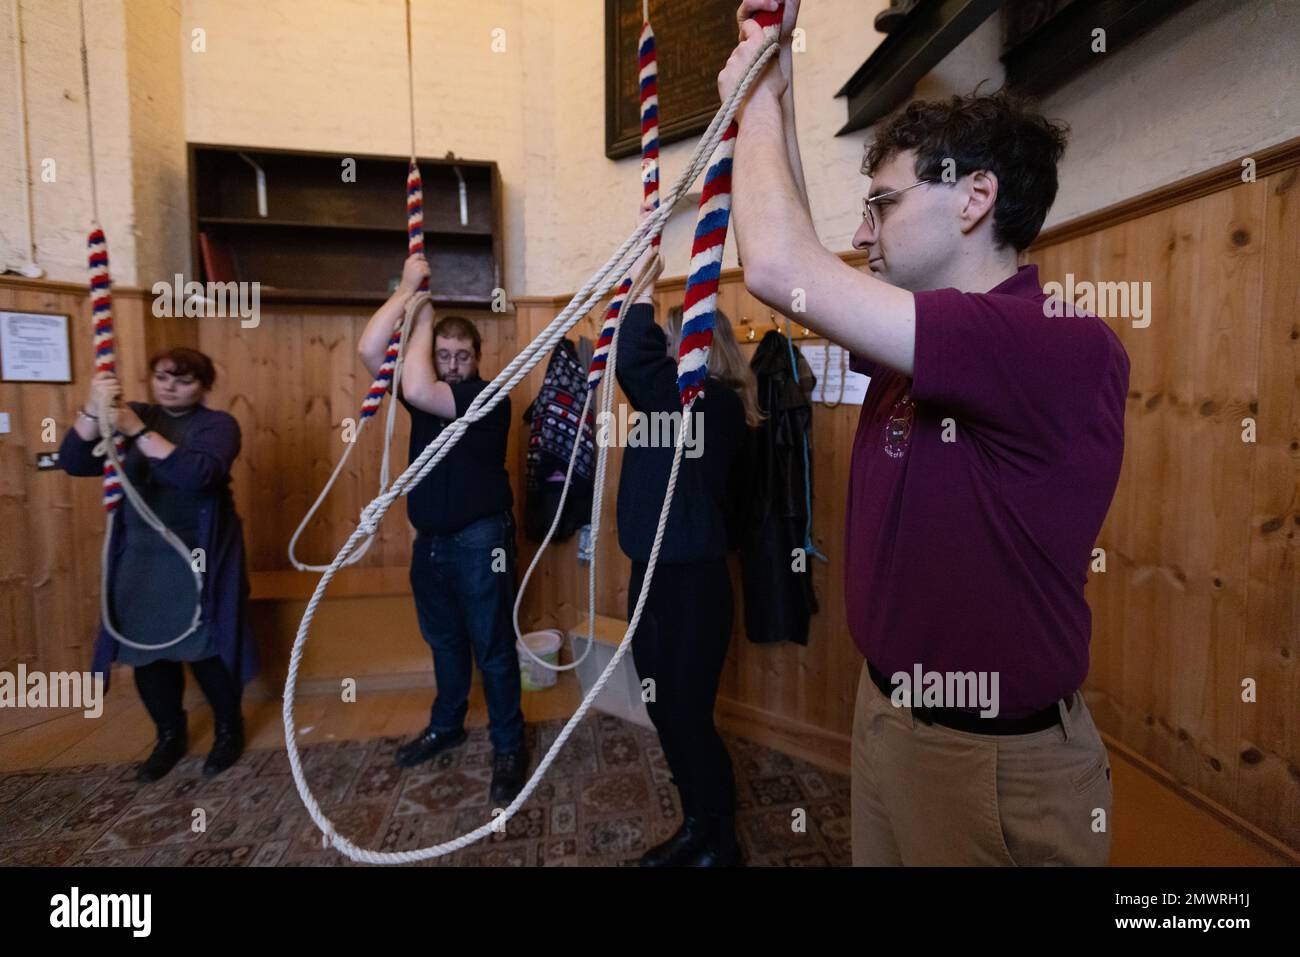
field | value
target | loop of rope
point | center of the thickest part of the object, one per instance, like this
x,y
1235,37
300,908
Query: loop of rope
x,y
389,370
647,277
603,355
389,373
591,292
117,485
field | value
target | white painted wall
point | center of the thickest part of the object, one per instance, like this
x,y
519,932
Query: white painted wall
x,y
1211,84
58,137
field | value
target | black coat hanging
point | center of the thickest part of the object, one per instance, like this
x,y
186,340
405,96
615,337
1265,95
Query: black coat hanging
x,y
779,600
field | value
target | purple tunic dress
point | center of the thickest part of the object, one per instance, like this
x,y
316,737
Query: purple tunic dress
x,y
199,466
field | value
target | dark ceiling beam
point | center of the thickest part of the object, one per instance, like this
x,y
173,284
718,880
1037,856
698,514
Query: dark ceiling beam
x,y
929,33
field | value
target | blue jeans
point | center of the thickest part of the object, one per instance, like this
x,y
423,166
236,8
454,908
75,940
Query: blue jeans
x,y
464,587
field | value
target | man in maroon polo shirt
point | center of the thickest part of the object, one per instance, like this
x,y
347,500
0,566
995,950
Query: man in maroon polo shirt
x,y
986,456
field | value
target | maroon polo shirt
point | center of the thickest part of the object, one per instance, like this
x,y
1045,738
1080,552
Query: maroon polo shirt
x,y
977,490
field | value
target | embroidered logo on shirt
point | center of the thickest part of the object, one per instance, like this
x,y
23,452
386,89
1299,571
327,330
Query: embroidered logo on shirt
x,y
898,426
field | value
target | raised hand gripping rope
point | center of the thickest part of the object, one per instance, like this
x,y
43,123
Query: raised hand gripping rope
x,y
705,268
390,370
111,445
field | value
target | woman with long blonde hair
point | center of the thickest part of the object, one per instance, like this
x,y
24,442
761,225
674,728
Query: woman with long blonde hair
x,y
681,640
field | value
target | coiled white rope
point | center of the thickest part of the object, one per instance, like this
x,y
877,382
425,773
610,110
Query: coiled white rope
x,y
591,292
401,328
106,360
413,306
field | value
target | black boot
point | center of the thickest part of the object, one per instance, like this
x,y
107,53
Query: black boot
x,y
509,774
721,849
429,743
169,749
227,746
689,840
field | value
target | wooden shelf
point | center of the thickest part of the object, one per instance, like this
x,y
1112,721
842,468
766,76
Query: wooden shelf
x,y
295,224
468,232
327,240
314,297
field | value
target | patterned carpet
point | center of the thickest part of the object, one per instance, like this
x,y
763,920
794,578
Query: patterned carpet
x,y
606,799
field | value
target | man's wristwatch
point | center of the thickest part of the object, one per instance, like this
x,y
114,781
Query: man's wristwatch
x,y
138,434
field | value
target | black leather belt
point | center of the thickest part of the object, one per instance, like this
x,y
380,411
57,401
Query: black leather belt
x,y
970,721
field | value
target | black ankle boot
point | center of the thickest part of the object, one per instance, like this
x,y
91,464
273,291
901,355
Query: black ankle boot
x,y
689,841
169,749
721,849
227,746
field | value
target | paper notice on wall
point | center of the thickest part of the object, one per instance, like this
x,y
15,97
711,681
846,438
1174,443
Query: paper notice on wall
x,y
34,347
835,382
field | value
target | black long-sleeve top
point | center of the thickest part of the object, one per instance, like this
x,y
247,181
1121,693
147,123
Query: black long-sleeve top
x,y
704,504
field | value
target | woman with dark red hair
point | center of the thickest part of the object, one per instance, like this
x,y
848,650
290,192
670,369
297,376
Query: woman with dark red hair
x,y
178,456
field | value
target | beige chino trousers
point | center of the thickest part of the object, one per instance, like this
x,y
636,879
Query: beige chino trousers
x,y
926,795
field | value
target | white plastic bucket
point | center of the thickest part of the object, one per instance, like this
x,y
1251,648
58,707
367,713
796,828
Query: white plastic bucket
x,y
545,645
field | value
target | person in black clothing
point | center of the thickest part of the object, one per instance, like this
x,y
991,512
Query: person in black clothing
x,y
681,640
463,561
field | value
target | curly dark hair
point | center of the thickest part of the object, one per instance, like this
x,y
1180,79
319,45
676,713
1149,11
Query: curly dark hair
x,y
1002,132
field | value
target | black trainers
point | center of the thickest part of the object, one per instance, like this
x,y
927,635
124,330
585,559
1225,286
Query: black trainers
x,y
169,749
688,842
227,746
428,744
509,773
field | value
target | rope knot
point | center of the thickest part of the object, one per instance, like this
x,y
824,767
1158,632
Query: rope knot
x,y
368,522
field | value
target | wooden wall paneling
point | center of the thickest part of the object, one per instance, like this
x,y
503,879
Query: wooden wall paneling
x,y
358,483
1133,561
328,356
537,610
393,549
283,366
1155,633
64,641
56,522
363,467
1169,252
1226,368
18,632
235,392
1269,776
1190,561
1082,258
831,665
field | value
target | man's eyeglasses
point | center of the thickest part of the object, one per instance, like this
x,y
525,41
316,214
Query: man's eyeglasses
x,y
869,216
460,358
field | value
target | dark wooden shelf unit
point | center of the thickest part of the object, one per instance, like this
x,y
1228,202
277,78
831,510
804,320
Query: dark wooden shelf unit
x,y
325,240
